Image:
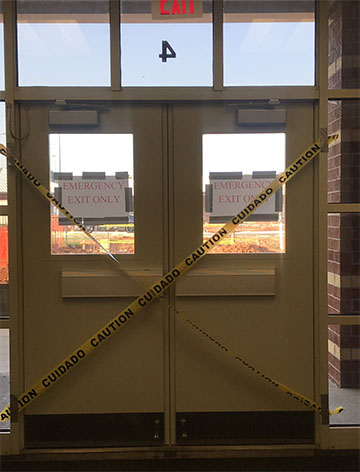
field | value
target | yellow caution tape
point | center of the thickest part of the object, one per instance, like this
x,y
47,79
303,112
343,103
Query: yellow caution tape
x,y
156,290
51,198
292,393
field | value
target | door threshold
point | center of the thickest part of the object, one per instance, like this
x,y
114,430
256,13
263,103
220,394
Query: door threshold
x,y
173,452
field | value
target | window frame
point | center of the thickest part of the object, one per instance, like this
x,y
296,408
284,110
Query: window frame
x,y
319,94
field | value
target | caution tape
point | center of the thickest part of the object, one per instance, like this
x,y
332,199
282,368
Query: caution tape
x,y
51,198
292,393
156,290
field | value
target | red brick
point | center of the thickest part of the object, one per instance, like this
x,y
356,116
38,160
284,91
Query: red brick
x,y
334,185
334,163
333,220
334,256
355,307
334,197
352,147
334,268
334,361
334,375
334,304
335,328
355,330
334,244
345,330
349,342
345,307
334,337
334,291
350,292
350,366
333,232
349,380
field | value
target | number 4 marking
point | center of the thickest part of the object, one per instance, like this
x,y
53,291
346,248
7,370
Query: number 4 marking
x,y
165,55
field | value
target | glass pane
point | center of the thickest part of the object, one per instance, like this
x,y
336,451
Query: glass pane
x,y
344,44
269,43
2,76
96,188
231,182
344,154
149,46
3,167
4,268
344,373
343,263
4,376
63,43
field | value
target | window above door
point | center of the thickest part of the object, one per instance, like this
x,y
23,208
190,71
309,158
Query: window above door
x,y
63,44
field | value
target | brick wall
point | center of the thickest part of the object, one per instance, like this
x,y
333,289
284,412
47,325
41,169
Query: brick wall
x,y
350,57
334,155
335,44
344,187
344,44
344,359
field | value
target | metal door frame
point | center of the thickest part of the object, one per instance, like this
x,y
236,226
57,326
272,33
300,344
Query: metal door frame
x,y
320,94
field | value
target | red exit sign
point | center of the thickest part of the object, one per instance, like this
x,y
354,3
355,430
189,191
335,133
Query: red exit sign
x,y
176,9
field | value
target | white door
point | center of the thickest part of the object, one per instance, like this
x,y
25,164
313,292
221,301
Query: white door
x,y
254,295
161,380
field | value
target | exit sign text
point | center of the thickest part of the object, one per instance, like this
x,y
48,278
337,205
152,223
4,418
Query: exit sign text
x,y
173,9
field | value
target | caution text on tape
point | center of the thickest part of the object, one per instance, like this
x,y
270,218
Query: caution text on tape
x,y
157,289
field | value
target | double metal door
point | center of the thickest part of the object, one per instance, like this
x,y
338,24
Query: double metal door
x,y
161,380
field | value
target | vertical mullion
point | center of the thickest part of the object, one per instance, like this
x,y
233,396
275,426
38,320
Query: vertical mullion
x,y
115,44
171,263
218,45
15,239
166,265
10,59
321,256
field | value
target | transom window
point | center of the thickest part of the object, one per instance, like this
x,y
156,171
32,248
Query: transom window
x,y
164,43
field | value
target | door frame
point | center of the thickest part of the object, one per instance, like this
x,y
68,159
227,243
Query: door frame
x,y
335,437
168,251
341,438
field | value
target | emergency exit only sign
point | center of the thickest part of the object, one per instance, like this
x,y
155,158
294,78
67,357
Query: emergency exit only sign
x,y
176,9
93,198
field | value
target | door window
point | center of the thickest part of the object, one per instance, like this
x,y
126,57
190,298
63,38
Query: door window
x,y
236,168
92,176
